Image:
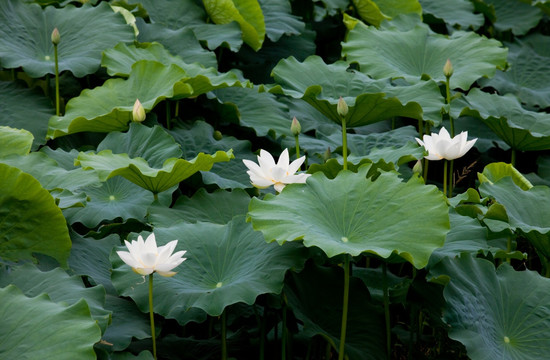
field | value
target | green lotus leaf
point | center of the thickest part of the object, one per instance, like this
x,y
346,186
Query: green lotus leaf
x,y
70,332
279,20
417,52
120,59
496,171
109,107
351,215
498,314
85,32
247,13
226,264
14,141
60,287
27,109
453,12
116,197
218,207
365,326
376,11
517,16
30,221
527,77
369,101
198,137
521,129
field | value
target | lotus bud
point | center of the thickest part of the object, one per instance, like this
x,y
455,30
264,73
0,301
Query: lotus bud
x,y
448,69
327,155
218,135
56,38
295,127
342,107
138,113
417,168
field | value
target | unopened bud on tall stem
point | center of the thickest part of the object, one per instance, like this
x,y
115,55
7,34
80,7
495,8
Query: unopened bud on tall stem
x,y
138,113
342,107
56,38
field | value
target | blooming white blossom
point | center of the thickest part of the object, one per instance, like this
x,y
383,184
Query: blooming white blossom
x,y
442,146
268,173
146,258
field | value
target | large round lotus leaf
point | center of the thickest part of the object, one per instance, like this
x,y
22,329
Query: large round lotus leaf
x,y
497,315
453,12
417,52
528,76
226,264
351,215
365,327
517,16
26,109
14,141
109,107
85,32
369,101
37,328
279,20
30,221
247,13
521,129
60,287
115,198
374,12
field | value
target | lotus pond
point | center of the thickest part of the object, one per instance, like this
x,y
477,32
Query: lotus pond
x,y
345,179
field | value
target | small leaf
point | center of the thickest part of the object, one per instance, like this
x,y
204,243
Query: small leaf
x,y
14,141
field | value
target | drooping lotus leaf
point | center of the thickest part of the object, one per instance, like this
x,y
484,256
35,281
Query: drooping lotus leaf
x,y
30,221
258,110
417,52
279,20
527,78
150,159
247,13
116,197
14,141
226,264
521,129
218,207
373,278
496,171
369,101
199,137
453,12
517,16
109,107
69,333
365,326
500,314
27,109
376,11
60,287
85,32
351,215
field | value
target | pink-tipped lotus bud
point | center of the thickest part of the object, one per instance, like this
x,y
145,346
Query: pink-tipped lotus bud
x,y
138,113
295,127
342,107
448,69
56,38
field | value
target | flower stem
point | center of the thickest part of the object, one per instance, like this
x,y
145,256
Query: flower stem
x,y
344,143
341,350
57,111
386,307
152,316
297,146
445,172
451,184
224,335
448,98
168,118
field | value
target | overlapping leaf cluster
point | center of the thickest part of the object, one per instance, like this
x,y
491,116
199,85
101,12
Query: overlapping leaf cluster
x,y
465,277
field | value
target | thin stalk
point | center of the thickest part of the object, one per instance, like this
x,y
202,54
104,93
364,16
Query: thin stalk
x,y
297,146
177,110
425,169
341,350
513,158
224,335
451,177
152,316
168,118
344,143
386,307
445,172
57,112
155,196
448,91
420,129
509,248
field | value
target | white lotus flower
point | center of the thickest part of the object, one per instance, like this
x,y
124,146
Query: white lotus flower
x,y
442,146
145,258
268,173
